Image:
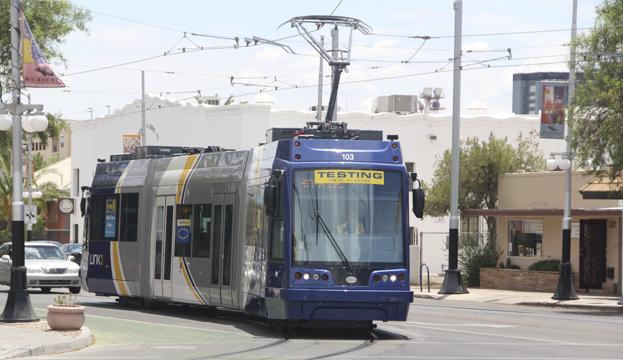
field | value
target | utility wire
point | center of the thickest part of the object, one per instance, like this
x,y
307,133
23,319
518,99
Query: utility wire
x,y
479,34
337,6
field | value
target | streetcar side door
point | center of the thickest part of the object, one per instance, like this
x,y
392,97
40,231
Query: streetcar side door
x,y
161,244
222,249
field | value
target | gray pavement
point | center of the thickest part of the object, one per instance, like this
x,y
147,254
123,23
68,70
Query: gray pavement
x,y
35,339
585,301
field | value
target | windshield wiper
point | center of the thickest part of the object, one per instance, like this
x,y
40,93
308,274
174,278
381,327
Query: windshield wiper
x,y
333,242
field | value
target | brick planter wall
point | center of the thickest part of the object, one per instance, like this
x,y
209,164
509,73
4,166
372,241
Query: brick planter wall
x,y
521,280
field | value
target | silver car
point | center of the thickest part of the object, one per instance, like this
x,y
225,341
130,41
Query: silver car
x,y
46,267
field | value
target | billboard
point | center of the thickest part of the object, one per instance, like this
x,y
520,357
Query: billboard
x,y
553,111
131,142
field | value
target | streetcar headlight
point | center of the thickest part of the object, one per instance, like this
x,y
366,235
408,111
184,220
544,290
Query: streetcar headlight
x,y
384,278
392,278
316,277
306,276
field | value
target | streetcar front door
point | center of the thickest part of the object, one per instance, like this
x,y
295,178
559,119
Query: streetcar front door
x,y
221,272
162,239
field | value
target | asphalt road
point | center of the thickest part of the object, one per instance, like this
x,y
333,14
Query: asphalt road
x,y
435,330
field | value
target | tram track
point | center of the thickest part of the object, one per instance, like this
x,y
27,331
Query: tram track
x,y
367,343
257,348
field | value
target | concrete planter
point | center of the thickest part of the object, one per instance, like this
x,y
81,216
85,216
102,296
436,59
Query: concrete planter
x,y
65,317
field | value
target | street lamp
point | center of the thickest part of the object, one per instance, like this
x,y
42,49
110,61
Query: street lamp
x,y
565,290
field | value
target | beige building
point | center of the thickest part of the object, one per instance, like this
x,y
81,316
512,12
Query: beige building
x,y
57,148
529,227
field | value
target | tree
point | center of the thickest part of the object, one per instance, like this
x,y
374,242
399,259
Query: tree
x,y
481,163
598,101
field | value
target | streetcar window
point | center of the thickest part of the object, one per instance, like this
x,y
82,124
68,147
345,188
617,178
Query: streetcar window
x,y
217,243
183,230
276,246
104,217
229,217
201,230
129,217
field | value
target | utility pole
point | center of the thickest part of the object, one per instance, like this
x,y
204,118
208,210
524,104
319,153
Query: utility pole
x,y
335,53
18,307
90,110
565,290
143,132
452,282
320,84
29,171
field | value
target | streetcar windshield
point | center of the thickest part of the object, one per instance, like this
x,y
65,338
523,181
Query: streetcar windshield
x,y
343,215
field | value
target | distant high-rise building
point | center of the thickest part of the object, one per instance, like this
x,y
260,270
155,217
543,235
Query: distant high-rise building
x,y
528,90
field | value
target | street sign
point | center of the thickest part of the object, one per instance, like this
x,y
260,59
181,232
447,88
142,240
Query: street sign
x,y
30,214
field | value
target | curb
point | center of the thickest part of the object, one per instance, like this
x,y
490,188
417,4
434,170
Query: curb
x,y
84,339
604,308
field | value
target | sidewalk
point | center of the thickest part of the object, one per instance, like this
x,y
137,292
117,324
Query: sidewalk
x,y
585,301
36,338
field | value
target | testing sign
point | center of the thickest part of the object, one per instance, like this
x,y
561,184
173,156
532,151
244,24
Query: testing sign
x,y
340,176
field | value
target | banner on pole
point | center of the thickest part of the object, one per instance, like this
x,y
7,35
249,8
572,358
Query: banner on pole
x,y
37,72
553,110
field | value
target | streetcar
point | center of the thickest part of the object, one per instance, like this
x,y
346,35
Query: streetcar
x,y
309,228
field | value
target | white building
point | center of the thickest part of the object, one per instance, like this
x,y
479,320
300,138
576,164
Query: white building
x,y
424,137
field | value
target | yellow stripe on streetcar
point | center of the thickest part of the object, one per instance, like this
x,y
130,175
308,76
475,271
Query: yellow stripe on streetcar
x,y
123,289
188,165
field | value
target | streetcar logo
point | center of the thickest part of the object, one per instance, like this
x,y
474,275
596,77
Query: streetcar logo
x,y
337,176
96,259
351,279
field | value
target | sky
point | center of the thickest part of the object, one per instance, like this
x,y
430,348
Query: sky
x,y
126,31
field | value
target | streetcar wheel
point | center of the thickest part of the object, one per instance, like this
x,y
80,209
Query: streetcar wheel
x,y
123,301
46,290
74,290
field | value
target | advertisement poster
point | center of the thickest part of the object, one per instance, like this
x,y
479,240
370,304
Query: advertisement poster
x,y
182,231
131,142
553,112
110,224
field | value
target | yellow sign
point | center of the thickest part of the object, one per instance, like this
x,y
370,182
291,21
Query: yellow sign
x,y
338,176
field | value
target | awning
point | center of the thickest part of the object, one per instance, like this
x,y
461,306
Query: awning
x,y
541,212
603,188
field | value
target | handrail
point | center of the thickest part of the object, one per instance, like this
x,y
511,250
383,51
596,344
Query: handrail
x,y
427,277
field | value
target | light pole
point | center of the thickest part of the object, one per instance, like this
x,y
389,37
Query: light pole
x,y
18,307
452,282
32,124
565,290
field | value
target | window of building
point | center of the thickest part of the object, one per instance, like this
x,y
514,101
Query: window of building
x,y
54,144
202,225
129,217
470,224
62,140
183,230
532,89
525,237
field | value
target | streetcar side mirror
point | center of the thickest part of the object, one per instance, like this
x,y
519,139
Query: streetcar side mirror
x,y
271,192
418,197
83,206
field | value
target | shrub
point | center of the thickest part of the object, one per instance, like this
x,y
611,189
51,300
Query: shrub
x,y
545,265
473,256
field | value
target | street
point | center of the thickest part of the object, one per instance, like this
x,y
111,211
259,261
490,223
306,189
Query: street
x,y
435,330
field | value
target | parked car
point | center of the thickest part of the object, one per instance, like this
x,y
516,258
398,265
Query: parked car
x,y
47,267
74,250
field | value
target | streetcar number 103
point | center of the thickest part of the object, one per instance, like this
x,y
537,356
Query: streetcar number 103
x,y
348,157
